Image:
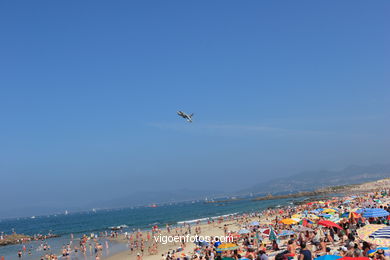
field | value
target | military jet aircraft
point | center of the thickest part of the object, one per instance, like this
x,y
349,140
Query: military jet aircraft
x,y
185,116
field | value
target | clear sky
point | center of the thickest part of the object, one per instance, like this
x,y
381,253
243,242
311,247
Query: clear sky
x,y
89,92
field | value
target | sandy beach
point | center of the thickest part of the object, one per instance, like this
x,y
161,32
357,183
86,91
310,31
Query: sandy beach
x,y
363,195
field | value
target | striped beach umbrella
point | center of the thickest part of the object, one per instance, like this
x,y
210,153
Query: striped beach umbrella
x,y
374,213
375,234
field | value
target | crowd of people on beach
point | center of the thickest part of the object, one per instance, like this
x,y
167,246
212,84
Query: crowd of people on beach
x,y
308,231
325,230
294,233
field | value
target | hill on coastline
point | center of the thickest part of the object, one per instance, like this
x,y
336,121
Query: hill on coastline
x,y
310,181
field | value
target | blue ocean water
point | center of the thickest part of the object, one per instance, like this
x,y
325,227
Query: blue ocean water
x,y
135,218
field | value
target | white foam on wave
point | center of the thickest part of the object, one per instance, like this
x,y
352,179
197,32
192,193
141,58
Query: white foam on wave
x,y
205,219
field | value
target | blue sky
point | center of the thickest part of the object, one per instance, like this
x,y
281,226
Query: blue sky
x,y
89,92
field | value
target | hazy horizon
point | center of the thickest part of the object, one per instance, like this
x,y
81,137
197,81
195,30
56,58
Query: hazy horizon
x,y
89,93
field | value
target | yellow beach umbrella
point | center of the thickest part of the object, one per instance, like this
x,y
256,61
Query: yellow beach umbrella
x,y
227,247
288,221
329,211
366,233
296,216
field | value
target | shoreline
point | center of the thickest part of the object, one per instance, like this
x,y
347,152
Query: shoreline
x,y
217,229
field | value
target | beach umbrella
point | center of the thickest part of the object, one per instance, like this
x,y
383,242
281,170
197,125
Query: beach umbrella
x,y
374,213
328,257
372,252
296,216
243,231
354,258
328,223
272,234
305,221
265,231
255,223
329,211
312,216
350,215
284,233
334,219
289,221
375,234
316,211
227,247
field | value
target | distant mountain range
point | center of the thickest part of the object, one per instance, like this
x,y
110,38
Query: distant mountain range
x,y
309,181
159,197
306,181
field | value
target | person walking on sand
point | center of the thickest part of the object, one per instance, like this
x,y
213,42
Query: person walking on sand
x,y
305,253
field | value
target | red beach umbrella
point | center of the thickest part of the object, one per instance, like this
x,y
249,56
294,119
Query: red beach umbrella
x,y
328,223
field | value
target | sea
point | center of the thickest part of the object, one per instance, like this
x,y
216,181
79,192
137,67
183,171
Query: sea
x,y
95,221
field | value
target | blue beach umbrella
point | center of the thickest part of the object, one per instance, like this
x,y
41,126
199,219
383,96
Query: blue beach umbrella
x,y
243,231
374,213
255,223
286,233
328,257
373,251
